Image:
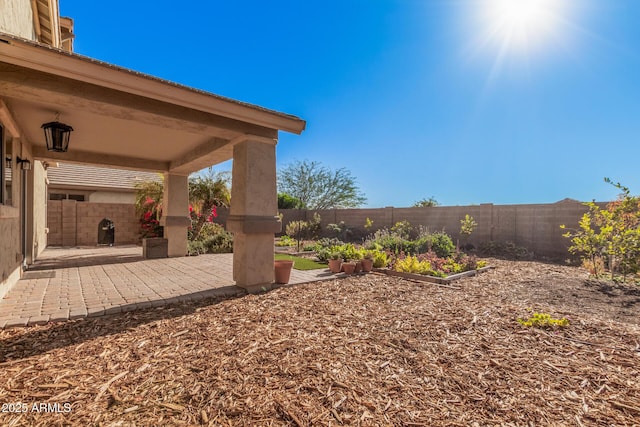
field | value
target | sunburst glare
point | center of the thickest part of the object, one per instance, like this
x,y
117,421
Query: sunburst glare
x,y
521,26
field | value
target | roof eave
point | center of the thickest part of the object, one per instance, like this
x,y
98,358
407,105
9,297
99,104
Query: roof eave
x,y
29,54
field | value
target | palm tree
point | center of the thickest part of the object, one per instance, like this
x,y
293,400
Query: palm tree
x,y
207,191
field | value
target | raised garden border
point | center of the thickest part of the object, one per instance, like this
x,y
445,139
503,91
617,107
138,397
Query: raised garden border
x,y
432,279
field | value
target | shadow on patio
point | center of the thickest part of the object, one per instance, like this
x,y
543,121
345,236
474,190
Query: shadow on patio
x,y
88,282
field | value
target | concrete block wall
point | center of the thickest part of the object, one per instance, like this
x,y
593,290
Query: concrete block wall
x,y
533,226
54,222
74,223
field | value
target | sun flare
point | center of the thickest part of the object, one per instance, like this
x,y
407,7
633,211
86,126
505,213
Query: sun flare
x,y
521,23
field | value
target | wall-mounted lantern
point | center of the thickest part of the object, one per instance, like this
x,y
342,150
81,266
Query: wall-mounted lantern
x,y
26,163
57,135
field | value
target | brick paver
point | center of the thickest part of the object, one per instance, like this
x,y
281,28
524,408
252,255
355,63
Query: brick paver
x,y
79,282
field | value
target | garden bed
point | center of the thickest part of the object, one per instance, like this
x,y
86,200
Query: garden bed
x,y
432,279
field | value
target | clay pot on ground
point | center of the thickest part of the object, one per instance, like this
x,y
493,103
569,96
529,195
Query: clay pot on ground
x,y
282,270
358,268
335,265
367,265
348,267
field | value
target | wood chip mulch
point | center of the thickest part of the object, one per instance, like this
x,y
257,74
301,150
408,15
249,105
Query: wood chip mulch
x,y
370,350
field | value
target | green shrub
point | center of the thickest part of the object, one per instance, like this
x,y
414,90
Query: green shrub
x,y
195,248
402,229
442,244
347,251
341,230
543,320
208,230
285,241
326,242
303,230
219,243
411,264
422,244
380,259
613,232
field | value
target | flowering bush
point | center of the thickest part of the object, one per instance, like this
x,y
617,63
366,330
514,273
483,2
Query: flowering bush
x,y
200,221
149,219
205,236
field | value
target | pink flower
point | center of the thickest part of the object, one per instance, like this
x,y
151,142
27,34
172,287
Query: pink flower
x,y
147,215
148,201
214,212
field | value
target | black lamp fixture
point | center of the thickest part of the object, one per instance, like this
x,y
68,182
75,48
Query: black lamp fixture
x,y
26,163
57,135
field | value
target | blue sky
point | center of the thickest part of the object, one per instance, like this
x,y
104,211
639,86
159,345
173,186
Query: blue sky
x,y
417,98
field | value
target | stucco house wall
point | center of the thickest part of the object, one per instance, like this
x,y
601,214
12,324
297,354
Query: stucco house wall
x,y
9,248
11,211
39,206
16,17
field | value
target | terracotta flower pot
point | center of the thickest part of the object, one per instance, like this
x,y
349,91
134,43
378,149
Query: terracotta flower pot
x,y
335,265
282,269
358,268
348,267
367,265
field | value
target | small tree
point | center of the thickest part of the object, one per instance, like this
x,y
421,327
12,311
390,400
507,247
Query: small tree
x,y
301,230
341,231
286,201
423,203
318,187
402,229
613,233
207,192
467,225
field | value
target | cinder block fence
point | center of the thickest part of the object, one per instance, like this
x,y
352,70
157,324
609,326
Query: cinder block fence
x,y
74,223
533,226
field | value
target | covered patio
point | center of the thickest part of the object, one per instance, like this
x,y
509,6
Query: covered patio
x,y
73,283
129,120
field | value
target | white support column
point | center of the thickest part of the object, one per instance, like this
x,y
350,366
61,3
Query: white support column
x,y
253,213
175,213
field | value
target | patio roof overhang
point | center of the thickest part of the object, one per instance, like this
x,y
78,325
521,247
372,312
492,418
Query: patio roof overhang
x,y
123,118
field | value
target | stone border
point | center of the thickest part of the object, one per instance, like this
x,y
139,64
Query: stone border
x,y
432,279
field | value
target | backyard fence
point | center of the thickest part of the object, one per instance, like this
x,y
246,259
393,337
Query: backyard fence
x,y
532,226
72,223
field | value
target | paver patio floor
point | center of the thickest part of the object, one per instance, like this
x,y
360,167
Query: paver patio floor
x,y
68,283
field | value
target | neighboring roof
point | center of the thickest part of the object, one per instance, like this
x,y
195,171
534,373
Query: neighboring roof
x,y
82,176
568,200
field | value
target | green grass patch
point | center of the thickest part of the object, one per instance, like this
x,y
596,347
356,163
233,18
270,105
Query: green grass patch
x,y
300,263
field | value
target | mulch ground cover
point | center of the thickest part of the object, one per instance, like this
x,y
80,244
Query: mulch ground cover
x,y
368,350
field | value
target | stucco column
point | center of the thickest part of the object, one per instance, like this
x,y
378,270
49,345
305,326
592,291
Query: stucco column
x,y
253,212
175,213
